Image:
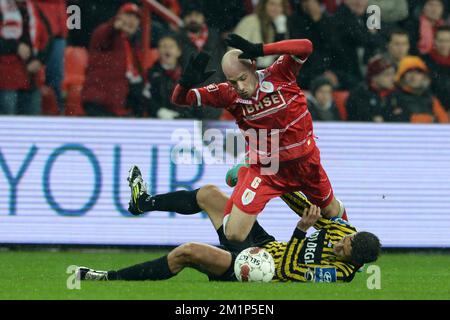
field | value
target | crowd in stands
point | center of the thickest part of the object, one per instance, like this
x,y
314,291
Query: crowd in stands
x,y
398,73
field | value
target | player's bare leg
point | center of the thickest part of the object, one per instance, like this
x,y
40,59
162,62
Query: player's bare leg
x,y
334,209
213,201
200,256
203,257
238,224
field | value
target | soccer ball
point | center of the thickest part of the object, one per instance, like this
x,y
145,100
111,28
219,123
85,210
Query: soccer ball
x,y
254,265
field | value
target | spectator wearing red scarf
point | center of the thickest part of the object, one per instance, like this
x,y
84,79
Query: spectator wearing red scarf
x,y
438,60
423,28
24,40
113,76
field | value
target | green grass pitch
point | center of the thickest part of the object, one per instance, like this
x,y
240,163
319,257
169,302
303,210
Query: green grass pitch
x,y
42,275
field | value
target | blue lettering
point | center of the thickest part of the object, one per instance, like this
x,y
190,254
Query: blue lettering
x,y
14,181
97,174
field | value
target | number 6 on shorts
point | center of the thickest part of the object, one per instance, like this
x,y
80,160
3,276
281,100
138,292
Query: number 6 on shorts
x,y
256,182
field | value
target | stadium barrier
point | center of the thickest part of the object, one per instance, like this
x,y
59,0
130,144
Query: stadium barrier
x,y
63,180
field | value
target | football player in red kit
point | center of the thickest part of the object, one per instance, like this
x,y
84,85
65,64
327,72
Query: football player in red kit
x,y
270,103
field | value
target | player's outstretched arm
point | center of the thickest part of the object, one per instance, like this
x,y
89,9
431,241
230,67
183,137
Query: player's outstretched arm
x,y
309,218
301,48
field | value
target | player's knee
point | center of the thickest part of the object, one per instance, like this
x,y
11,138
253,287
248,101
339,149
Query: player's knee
x,y
196,253
184,251
335,209
205,194
191,252
234,235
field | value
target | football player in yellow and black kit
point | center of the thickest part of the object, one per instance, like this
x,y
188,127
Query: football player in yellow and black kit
x,y
334,252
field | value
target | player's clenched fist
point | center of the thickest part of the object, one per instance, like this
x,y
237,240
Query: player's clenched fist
x,y
309,218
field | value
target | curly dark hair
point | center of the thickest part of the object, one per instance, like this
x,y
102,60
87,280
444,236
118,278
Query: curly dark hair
x,y
366,247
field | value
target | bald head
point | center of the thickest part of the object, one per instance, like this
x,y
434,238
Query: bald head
x,y
240,73
232,65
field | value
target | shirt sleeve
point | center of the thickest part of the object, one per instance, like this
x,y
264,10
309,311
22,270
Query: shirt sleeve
x,y
286,68
214,95
333,224
322,223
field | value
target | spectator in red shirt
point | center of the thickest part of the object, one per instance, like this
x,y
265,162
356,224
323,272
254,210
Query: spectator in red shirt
x,y
55,13
23,48
438,60
114,73
423,28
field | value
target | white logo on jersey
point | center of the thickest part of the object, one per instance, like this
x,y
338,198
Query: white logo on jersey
x,y
267,87
272,101
247,197
212,87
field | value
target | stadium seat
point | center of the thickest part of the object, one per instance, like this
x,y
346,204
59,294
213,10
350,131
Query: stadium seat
x,y
76,62
340,98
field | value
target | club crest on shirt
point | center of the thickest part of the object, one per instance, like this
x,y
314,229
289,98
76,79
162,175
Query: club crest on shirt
x,y
247,197
267,87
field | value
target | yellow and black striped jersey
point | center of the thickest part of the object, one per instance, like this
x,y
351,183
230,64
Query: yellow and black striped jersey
x,y
311,258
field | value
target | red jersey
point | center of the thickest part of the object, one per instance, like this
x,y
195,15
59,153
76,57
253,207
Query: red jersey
x,y
279,106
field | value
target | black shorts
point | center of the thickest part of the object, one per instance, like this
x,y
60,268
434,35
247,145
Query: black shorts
x,y
257,237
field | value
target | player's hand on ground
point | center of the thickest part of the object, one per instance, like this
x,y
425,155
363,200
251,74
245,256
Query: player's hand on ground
x,y
309,218
250,50
195,71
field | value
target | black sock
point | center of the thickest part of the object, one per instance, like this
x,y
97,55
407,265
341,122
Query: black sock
x,y
182,202
153,270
